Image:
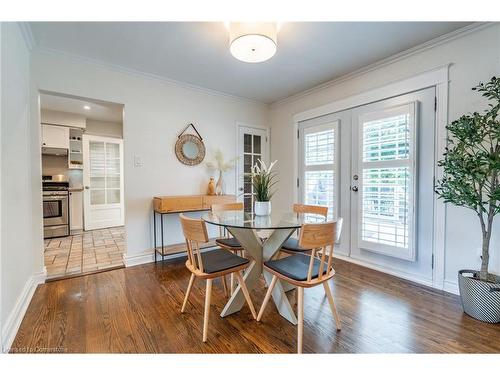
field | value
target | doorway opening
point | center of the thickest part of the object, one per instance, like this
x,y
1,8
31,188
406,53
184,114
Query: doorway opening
x,y
82,182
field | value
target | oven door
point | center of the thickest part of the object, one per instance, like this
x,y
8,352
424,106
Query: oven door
x,y
55,210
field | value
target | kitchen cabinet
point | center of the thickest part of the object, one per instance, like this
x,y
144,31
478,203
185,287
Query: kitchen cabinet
x,y
55,136
76,210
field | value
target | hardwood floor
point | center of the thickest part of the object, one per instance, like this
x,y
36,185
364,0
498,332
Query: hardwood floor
x,y
137,310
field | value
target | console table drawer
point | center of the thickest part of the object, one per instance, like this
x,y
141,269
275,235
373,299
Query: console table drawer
x,y
182,203
208,200
186,203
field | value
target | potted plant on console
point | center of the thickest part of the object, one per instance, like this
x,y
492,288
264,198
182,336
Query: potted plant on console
x,y
263,179
471,178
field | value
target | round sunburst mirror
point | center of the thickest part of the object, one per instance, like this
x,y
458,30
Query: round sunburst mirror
x,y
189,149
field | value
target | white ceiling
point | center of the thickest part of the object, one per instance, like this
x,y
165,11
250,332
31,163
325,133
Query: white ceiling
x,y
99,110
309,53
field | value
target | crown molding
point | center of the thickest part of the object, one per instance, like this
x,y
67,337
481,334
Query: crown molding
x,y
150,76
27,35
476,26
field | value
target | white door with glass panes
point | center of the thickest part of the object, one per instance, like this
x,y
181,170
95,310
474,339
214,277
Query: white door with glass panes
x,y
252,147
392,183
374,167
322,167
103,182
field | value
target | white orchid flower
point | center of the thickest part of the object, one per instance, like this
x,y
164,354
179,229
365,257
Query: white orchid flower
x,y
263,166
271,166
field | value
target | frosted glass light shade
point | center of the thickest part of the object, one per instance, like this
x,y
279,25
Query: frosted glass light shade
x,y
253,42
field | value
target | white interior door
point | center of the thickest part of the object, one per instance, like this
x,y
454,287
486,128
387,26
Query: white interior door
x,y
252,146
103,182
323,165
392,183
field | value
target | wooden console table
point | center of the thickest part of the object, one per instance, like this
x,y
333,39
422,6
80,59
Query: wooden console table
x,y
176,204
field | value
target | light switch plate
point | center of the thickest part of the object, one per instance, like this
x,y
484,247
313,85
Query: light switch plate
x,y
138,161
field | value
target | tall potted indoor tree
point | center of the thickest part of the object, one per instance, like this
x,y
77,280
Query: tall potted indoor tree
x,y
471,178
263,179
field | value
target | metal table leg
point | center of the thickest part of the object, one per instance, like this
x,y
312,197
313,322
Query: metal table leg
x,y
154,233
260,253
162,246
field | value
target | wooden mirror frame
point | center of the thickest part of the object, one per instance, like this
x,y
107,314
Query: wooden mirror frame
x,y
179,151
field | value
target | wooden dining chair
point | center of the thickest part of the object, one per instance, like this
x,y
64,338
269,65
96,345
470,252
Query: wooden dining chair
x,y
226,241
307,270
291,245
210,265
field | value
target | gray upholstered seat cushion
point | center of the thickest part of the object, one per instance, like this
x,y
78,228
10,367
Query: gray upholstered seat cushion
x,y
296,267
292,244
219,260
229,242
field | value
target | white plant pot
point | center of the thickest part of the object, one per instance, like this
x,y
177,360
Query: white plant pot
x,y
262,208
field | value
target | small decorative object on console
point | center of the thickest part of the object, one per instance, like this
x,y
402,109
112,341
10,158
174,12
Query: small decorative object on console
x,y
222,166
211,187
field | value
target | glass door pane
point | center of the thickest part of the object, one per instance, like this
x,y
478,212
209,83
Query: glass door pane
x,y
251,155
252,148
386,185
105,173
318,177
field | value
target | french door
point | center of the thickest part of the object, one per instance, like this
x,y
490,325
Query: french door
x,y
252,147
103,182
380,180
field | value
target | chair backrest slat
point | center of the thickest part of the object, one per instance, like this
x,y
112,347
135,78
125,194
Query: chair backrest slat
x,y
195,232
310,209
320,237
221,207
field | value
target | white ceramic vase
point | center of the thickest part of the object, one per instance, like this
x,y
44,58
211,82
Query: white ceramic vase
x,y
262,208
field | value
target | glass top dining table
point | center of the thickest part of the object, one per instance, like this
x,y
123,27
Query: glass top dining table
x,y
244,227
245,220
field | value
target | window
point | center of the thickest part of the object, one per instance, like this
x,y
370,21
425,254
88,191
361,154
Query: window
x,y
319,166
105,177
387,181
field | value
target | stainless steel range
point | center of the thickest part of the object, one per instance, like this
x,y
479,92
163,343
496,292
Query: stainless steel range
x,y
55,208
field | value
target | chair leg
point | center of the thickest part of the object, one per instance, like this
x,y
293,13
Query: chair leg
x,y
300,318
244,289
188,291
329,295
208,296
224,285
231,284
267,297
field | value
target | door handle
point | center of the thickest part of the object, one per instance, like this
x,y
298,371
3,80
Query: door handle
x,y
87,187
354,188
240,189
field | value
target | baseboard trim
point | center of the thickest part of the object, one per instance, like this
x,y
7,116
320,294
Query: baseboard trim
x,y
148,257
135,260
389,271
451,287
17,314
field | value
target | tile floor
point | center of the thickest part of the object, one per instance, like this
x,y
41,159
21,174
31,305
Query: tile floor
x,y
84,252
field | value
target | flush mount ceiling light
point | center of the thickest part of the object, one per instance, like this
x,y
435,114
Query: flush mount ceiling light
x,y
253,42
86,107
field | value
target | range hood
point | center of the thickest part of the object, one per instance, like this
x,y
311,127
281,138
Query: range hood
x,y
54,151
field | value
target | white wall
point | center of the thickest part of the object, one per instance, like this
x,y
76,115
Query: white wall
x,y
49,116
475,57
155,112
17,264
104,128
